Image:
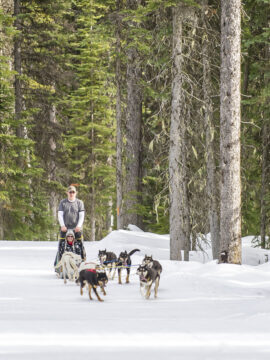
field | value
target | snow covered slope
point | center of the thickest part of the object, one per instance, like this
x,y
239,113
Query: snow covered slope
x,y
203,310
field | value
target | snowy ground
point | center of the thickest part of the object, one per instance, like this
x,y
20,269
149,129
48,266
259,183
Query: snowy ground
x,y
203,310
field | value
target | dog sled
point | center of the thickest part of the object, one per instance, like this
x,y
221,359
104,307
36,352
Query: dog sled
x,y
69,244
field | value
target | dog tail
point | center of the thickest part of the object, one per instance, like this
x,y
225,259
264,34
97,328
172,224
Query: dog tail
x,y
133,251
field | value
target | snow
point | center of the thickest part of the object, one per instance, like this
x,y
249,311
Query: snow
x,y
203,310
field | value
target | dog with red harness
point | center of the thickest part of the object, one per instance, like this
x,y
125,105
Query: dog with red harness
x,y
92,278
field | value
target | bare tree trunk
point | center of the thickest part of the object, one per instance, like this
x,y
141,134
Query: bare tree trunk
x,y
93,190
53,201
133,131
110,204
93,217
212,183
119,131
264,181
1,222
18,69
265,157
110,216
230,207
5,50
179,207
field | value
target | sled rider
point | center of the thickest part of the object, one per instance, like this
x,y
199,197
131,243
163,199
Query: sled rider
x,y
71,217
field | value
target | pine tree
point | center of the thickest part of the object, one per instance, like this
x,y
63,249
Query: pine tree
x,y
133,123
255,115
89,141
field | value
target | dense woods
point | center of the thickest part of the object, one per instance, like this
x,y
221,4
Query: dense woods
x,y
138,103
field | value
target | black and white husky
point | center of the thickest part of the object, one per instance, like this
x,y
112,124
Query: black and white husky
x,y
147,277
108,260
150,262
124,262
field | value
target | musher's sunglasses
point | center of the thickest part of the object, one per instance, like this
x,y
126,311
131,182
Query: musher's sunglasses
x,y
70,236
71,192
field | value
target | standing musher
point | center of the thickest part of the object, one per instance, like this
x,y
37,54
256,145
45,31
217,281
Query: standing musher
x,y
71,217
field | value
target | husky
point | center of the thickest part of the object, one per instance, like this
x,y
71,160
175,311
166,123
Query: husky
x,y
150,262
124,261
148,276
108,260
92,278
70,263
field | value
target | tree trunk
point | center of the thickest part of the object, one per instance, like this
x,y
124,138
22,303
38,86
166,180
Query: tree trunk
x,y
109,216
179,206
18,69
1,221
93,190
264,182
119,131
265,155
93,217
6,50
53,201
230,207
133,131
212,183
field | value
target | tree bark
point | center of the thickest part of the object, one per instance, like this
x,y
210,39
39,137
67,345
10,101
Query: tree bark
x,y
265,155
179,206
212,183
93,189
18,69
264,181
110,203
53,201
93,217
6,50
133,131
119,130
230,208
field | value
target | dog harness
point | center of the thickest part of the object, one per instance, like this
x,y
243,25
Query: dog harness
x,y
92,270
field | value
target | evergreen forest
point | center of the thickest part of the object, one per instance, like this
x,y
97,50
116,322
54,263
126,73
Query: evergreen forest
x,y
89,90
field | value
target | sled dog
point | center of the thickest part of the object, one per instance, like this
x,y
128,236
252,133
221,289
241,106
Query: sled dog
x,y
150,262
124,262
92,278
108,260
147,277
